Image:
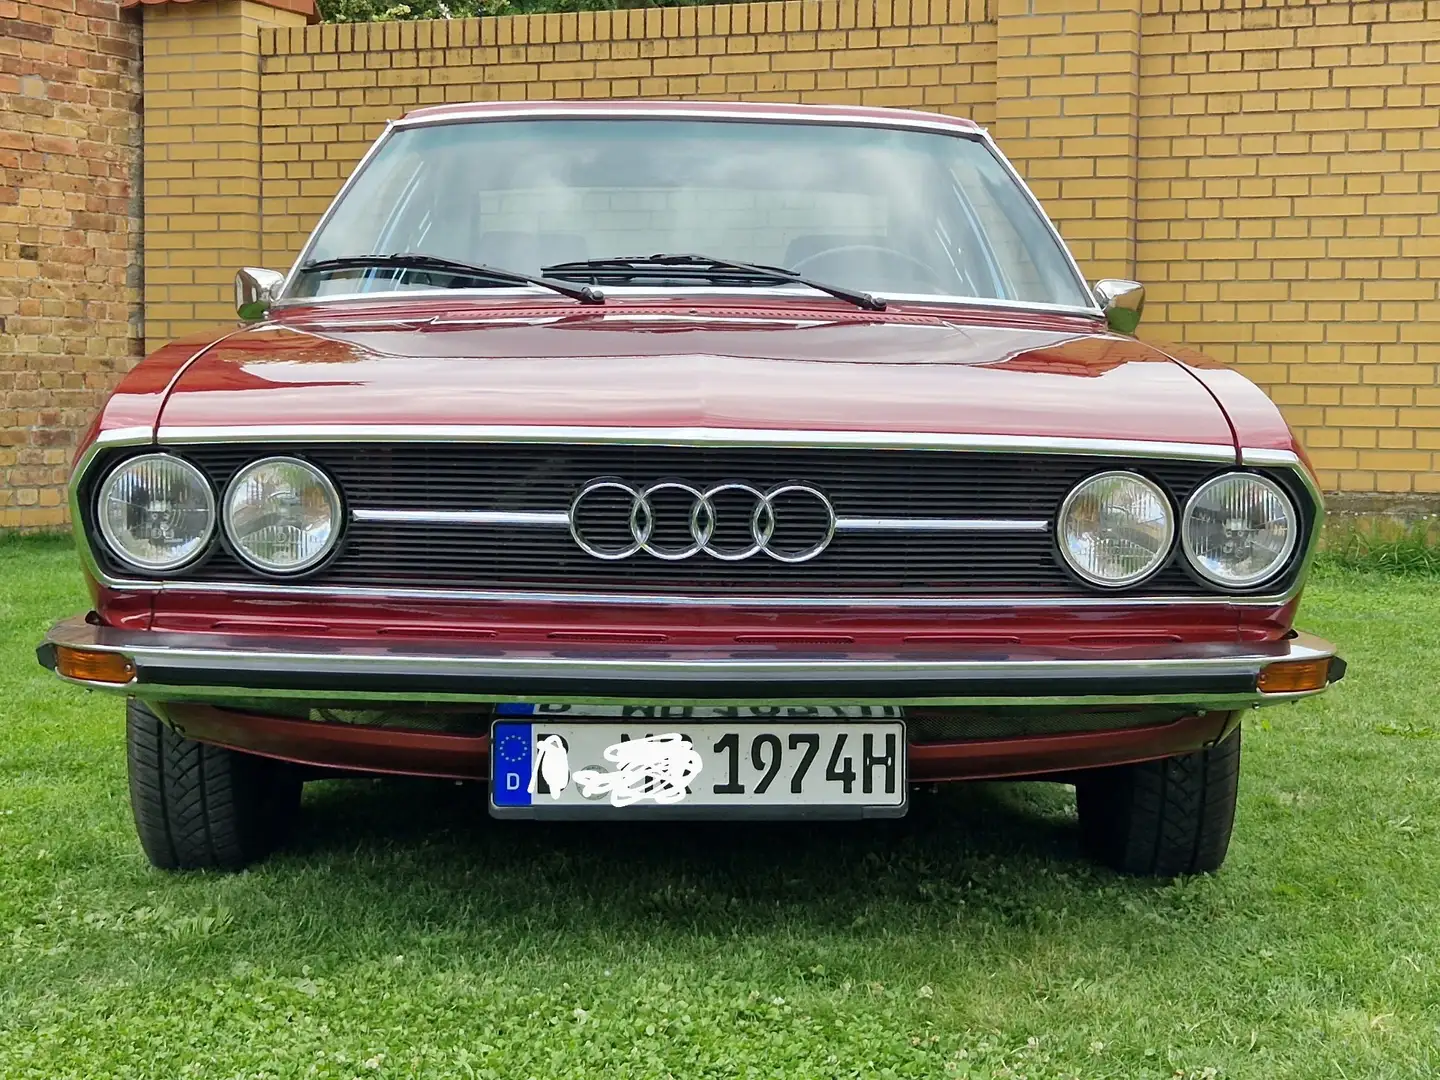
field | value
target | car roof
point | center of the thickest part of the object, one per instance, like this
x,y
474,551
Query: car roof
x,y
737,110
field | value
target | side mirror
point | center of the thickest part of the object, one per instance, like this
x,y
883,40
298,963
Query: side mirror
x,y
255,290
1123,302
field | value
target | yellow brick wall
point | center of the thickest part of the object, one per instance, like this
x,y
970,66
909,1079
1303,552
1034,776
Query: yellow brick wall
x,y
1289,216
1067,91
69,232
202,159
1270,170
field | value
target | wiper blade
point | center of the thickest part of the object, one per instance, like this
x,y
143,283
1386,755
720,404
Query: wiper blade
x,y
640,267
413,260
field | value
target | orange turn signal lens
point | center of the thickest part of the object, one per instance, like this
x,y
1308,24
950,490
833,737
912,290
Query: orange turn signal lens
x,y
106,667
1294,676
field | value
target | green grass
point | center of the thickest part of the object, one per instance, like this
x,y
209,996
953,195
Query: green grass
x,y
405,934
1412,549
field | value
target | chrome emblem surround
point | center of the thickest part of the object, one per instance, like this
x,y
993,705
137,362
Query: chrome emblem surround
x,y
703,520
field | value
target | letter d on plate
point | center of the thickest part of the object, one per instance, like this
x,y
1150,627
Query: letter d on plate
x,y
510,749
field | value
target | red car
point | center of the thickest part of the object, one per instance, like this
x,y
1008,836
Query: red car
x,y
657,459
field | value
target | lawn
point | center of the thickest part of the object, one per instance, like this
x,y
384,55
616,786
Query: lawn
x,y
403,933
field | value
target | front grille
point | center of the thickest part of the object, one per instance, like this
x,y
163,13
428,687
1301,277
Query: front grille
x,y
431,476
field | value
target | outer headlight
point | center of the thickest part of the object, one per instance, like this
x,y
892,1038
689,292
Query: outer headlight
x,y
156,512
1239,529
282,515
1115,528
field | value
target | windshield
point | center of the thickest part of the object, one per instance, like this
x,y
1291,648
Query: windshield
x,y
887,211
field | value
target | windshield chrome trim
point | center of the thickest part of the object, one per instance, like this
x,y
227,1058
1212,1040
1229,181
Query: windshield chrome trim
x,y
764,292
641,111
842,115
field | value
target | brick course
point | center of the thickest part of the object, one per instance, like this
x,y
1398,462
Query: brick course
x,y
202,159
1289,217
69,236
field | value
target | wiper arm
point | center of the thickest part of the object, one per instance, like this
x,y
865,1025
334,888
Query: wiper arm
x,y
653,266
586,294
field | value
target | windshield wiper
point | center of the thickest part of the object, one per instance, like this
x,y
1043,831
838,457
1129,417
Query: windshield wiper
x,y
586,294
705,267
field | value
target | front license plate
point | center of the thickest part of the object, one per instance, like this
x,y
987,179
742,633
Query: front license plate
x,y
724,768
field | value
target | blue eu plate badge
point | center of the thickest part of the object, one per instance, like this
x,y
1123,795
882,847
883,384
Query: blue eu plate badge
x,y
511,743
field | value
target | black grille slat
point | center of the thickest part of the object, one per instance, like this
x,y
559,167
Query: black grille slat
x,y
448,476
452,554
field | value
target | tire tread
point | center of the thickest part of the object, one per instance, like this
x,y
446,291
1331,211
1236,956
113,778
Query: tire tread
x,y
199,806
1167,818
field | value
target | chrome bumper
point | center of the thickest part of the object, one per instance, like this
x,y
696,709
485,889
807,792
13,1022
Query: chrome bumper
x,y
172,666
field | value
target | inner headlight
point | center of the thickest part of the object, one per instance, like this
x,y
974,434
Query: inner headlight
x,y
1115,528
282,515
156,512
1239,529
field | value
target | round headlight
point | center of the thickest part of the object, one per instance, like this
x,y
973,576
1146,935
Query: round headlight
x,y
156,512
282,515
1239,529
1115,528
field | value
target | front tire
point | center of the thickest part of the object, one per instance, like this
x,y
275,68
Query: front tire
x,y
1166,818
203,807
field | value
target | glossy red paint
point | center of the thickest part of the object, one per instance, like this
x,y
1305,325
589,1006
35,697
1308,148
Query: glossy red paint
x,y
809,366
467,757
1036,755
128,610
338,746
784,364
1257,422
517,622
137,400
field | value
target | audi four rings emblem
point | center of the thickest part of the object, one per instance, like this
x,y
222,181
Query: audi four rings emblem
x,y
611,507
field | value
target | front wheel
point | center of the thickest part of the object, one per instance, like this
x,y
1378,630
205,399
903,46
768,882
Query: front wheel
x,y
203,807
1164,818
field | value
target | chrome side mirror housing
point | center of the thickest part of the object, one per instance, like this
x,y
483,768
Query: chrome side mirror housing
x,y
1123,302
255,291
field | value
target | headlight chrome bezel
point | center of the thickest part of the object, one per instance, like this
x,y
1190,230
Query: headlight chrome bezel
x,y
111,543
1292,541
1161,560
333,499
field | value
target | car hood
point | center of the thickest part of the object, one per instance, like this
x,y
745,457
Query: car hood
x,y
884,372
